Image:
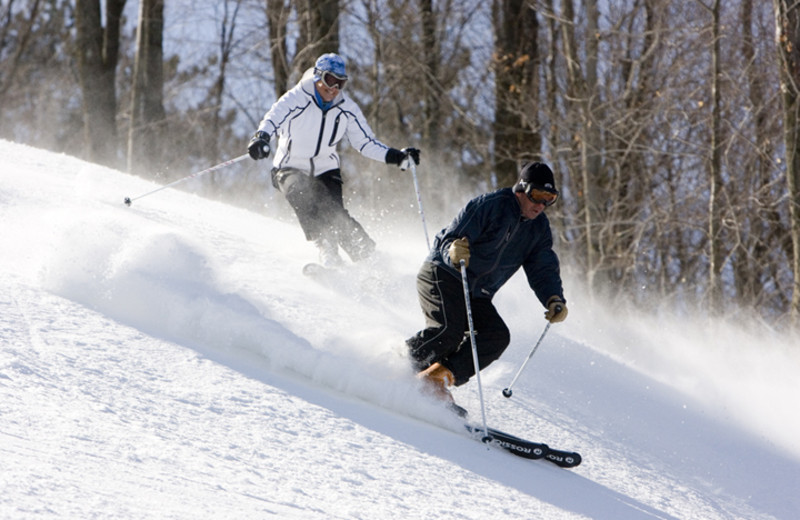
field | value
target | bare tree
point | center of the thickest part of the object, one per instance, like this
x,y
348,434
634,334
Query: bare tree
x,y
760,239
626,115
147,107
97,48
278,12
217,93
23,39
420,84
431,125
787,19
582,88
516,65
716,253
319,31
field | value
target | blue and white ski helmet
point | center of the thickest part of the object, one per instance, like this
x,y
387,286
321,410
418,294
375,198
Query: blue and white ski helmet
x,y
332,63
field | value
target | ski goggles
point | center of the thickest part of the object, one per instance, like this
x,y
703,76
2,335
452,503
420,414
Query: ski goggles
x,y
331,80
539,196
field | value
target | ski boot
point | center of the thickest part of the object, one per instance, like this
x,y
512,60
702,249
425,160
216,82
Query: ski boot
x,y
437,379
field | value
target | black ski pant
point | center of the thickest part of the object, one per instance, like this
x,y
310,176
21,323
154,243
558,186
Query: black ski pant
x,y
445,338
319,206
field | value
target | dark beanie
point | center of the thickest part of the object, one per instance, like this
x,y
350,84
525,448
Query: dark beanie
x,y
538,175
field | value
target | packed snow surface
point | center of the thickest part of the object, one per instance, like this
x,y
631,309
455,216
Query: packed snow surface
x,y
168,360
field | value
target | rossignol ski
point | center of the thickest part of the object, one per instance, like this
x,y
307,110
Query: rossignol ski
x,y
525,449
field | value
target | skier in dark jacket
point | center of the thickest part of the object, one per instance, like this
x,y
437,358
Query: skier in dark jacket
x,y
495,234
308,122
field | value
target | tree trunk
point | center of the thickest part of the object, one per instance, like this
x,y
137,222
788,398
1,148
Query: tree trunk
x,y
24,37
226,45
787,18
319,31
715,239
277,18
515,62
147,110
97,50
430,42
581,87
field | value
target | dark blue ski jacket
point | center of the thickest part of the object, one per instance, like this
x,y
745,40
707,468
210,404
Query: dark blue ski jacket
x,y
500,242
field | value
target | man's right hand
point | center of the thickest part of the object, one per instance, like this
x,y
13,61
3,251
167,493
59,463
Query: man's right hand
x,y
459,250
556,310
259,146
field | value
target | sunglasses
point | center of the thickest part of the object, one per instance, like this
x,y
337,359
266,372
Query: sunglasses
x,y
331,80
537,196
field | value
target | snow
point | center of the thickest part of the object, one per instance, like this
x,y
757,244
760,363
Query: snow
x,y
169,360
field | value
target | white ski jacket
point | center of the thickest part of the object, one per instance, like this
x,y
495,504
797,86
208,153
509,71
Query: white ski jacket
x,y
307,137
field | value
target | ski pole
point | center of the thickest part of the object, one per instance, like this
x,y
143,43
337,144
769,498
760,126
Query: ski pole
x,y
129,200
486,437
419,201
507,391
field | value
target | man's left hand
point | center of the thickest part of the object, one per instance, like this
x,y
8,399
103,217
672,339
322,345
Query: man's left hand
x,y
556,310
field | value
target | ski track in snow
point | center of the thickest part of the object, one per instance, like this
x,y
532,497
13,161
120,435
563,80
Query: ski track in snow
x,y
168,360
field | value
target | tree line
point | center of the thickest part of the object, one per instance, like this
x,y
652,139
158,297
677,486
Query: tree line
x,y
672,125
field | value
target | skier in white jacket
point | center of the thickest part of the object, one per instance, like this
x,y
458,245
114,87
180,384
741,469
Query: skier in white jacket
x,y
308,122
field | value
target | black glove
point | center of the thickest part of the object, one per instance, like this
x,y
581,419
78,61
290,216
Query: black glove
x,y
259,146
412,153
401,157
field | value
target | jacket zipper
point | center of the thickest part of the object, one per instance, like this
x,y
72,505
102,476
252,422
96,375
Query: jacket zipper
x,y
335,130
506,241
319,142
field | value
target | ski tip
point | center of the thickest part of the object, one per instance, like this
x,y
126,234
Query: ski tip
x,y
563,459
313,269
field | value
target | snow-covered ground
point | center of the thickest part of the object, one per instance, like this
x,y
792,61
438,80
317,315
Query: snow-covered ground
x,y
169,360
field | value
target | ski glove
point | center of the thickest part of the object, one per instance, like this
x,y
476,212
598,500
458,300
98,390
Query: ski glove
x,y
459,250
412,154
556,310
259,146
402,158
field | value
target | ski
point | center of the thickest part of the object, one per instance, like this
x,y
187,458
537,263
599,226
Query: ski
x,y
525,449
331,277
314,270
350,279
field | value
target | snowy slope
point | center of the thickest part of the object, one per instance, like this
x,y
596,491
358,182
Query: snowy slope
x,y
169,361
